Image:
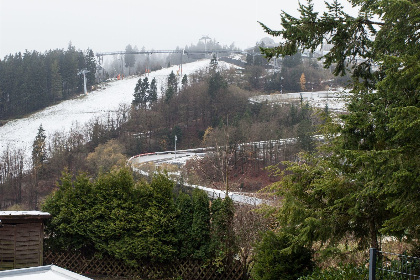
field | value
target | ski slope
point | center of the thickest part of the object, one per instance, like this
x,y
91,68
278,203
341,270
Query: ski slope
x,y
77,112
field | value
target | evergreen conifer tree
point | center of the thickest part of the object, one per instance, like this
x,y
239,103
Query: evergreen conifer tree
x,y
184,225
39,149
129,58
172,86
362,182
141,92
90,62
153,91
223,238
184,81
200,230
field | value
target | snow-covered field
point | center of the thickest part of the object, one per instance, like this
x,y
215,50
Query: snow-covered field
x,y
20,134
336,100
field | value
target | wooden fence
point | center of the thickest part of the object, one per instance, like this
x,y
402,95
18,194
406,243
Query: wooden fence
x,y
109,266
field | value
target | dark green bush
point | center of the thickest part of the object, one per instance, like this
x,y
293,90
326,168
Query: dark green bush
x,y
276,258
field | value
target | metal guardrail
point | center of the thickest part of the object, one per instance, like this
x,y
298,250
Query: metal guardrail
x,y
387,265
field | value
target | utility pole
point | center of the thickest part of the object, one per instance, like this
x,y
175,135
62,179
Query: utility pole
x,y
175,145
226,155
281,81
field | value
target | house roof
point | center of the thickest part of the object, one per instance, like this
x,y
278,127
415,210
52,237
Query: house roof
x,y
47,272
12,216
23,213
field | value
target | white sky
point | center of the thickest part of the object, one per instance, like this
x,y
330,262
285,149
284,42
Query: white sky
x,y
105,25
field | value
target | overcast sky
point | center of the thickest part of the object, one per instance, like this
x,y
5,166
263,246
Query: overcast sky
x,y
105,25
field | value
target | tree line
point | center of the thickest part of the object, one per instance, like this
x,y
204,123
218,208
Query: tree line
x,y
31,81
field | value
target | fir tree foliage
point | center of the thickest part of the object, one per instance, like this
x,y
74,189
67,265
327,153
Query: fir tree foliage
x,y
153,91
217,85
111,215
200,228
274,260
172,86
305,129
365,180
31,81
129,57
184,81
184,225
141,92
39,149
223,237
89,64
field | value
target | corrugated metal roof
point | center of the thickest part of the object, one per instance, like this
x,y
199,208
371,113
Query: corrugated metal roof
x,y
47,272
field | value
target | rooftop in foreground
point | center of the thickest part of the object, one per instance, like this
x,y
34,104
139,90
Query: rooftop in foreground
x,y
47,272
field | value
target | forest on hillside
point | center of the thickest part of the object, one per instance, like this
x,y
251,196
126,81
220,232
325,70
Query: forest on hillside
x,y
209,105
31,81
72,175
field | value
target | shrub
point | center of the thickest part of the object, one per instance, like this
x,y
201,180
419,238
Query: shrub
x,y
276,258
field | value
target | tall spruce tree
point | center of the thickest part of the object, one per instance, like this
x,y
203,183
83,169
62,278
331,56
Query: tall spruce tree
x,y
365,181
90,63
172,86
223,244
39,155
153,91
200,228
39,149
141,92
184,225
129,58
184,81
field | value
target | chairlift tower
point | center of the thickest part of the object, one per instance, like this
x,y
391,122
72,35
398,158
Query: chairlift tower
x,y
84,71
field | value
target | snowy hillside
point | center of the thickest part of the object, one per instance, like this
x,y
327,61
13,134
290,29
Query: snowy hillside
x,y
20,134
335,100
